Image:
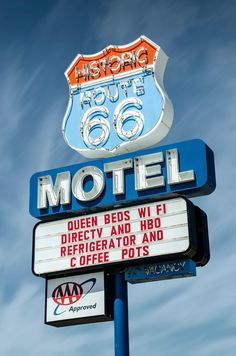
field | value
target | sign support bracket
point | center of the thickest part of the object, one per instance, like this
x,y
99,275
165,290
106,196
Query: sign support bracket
x,y
121,323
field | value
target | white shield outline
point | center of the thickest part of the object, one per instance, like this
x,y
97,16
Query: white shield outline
x,y
163,123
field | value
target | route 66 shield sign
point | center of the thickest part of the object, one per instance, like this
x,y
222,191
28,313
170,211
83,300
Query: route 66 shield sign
x,y
117,103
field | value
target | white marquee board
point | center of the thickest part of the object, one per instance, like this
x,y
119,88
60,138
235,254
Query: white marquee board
x,y
123,235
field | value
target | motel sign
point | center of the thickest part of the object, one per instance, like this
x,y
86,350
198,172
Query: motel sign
x,y
126,214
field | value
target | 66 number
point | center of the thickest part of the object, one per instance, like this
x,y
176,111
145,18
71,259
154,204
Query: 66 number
x,y
95,118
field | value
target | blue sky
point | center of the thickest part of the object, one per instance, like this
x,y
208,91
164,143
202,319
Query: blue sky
x,y
38,40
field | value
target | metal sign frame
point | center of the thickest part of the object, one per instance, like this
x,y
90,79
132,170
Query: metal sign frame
x,y
202,255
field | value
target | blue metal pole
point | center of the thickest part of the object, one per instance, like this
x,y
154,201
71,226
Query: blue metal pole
x,y
121,323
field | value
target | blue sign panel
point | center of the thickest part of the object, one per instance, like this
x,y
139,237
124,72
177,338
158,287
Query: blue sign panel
x,y
145,102
160,271
185,168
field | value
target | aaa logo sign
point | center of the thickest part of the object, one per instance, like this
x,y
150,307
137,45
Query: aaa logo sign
x,y
69,293
75,299
117,100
